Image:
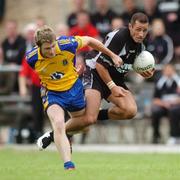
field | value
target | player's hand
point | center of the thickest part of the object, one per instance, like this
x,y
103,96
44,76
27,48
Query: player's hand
x,y
117,60
118,91
166,105
80,69
148,74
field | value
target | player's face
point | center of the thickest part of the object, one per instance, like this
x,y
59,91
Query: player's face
x,y
138,31
48,50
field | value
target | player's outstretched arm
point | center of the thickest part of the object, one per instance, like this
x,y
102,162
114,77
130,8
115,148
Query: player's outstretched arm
x,y
97,45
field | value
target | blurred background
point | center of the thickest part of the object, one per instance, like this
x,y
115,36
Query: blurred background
x,y
22,119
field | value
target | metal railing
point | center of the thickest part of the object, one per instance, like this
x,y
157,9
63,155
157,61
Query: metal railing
x,y
10,68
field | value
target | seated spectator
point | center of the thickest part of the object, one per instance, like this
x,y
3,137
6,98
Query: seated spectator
x,y
102,18
78,6
166,102
160,45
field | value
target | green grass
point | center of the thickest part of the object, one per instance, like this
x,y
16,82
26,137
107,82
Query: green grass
x,y
46,165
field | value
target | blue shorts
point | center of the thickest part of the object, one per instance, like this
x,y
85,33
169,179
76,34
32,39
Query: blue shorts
x,y
70,100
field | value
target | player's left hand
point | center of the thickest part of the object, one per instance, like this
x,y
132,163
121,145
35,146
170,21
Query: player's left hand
x,y
148,74
80,69
117,60
118,91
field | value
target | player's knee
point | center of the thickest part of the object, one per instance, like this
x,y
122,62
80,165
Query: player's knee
x,y
58,125
127,112
131,112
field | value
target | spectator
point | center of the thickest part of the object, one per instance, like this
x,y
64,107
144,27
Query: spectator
x,y
170,13
29,31
13,50
84,28
78,6
40,21
5,86
166,103
117,23
62,29
2,9
151,9
160,45
14,44
129,9
103,16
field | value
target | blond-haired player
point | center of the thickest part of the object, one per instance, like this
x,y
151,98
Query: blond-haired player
x,y
54,60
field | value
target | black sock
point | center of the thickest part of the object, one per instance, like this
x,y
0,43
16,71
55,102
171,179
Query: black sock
x,y
103,115
52,136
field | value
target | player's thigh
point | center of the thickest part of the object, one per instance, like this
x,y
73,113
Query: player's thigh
x,y
93,102
77,113
55,114
123,102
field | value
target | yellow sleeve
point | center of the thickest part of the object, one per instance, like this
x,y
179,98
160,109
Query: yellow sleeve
x,y
79,40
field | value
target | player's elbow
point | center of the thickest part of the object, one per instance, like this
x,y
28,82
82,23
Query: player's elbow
x,y
88,41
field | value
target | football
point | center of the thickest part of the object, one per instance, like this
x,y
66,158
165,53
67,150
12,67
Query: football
x,y
143,62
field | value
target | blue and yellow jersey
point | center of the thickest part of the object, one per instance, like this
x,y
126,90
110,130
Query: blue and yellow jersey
x,y
57,73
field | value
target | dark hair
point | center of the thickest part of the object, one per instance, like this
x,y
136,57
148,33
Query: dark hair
x,y
141,17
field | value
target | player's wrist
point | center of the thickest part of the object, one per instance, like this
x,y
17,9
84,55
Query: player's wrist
x,y
111,84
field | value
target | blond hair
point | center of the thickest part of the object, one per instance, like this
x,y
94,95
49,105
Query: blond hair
x,y
44,34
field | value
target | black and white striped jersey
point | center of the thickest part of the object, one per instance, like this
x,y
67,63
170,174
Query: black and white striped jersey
x,y
122,44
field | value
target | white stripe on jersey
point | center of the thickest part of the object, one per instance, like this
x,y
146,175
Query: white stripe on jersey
x,y
92,63
110,37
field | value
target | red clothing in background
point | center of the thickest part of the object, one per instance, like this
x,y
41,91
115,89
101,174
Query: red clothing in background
x,y
28,72
88,30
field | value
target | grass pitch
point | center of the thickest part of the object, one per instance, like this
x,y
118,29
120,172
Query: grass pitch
x,y
46,165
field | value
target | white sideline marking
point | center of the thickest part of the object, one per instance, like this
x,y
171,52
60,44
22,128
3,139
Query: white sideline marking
x,y
129,148
106,148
